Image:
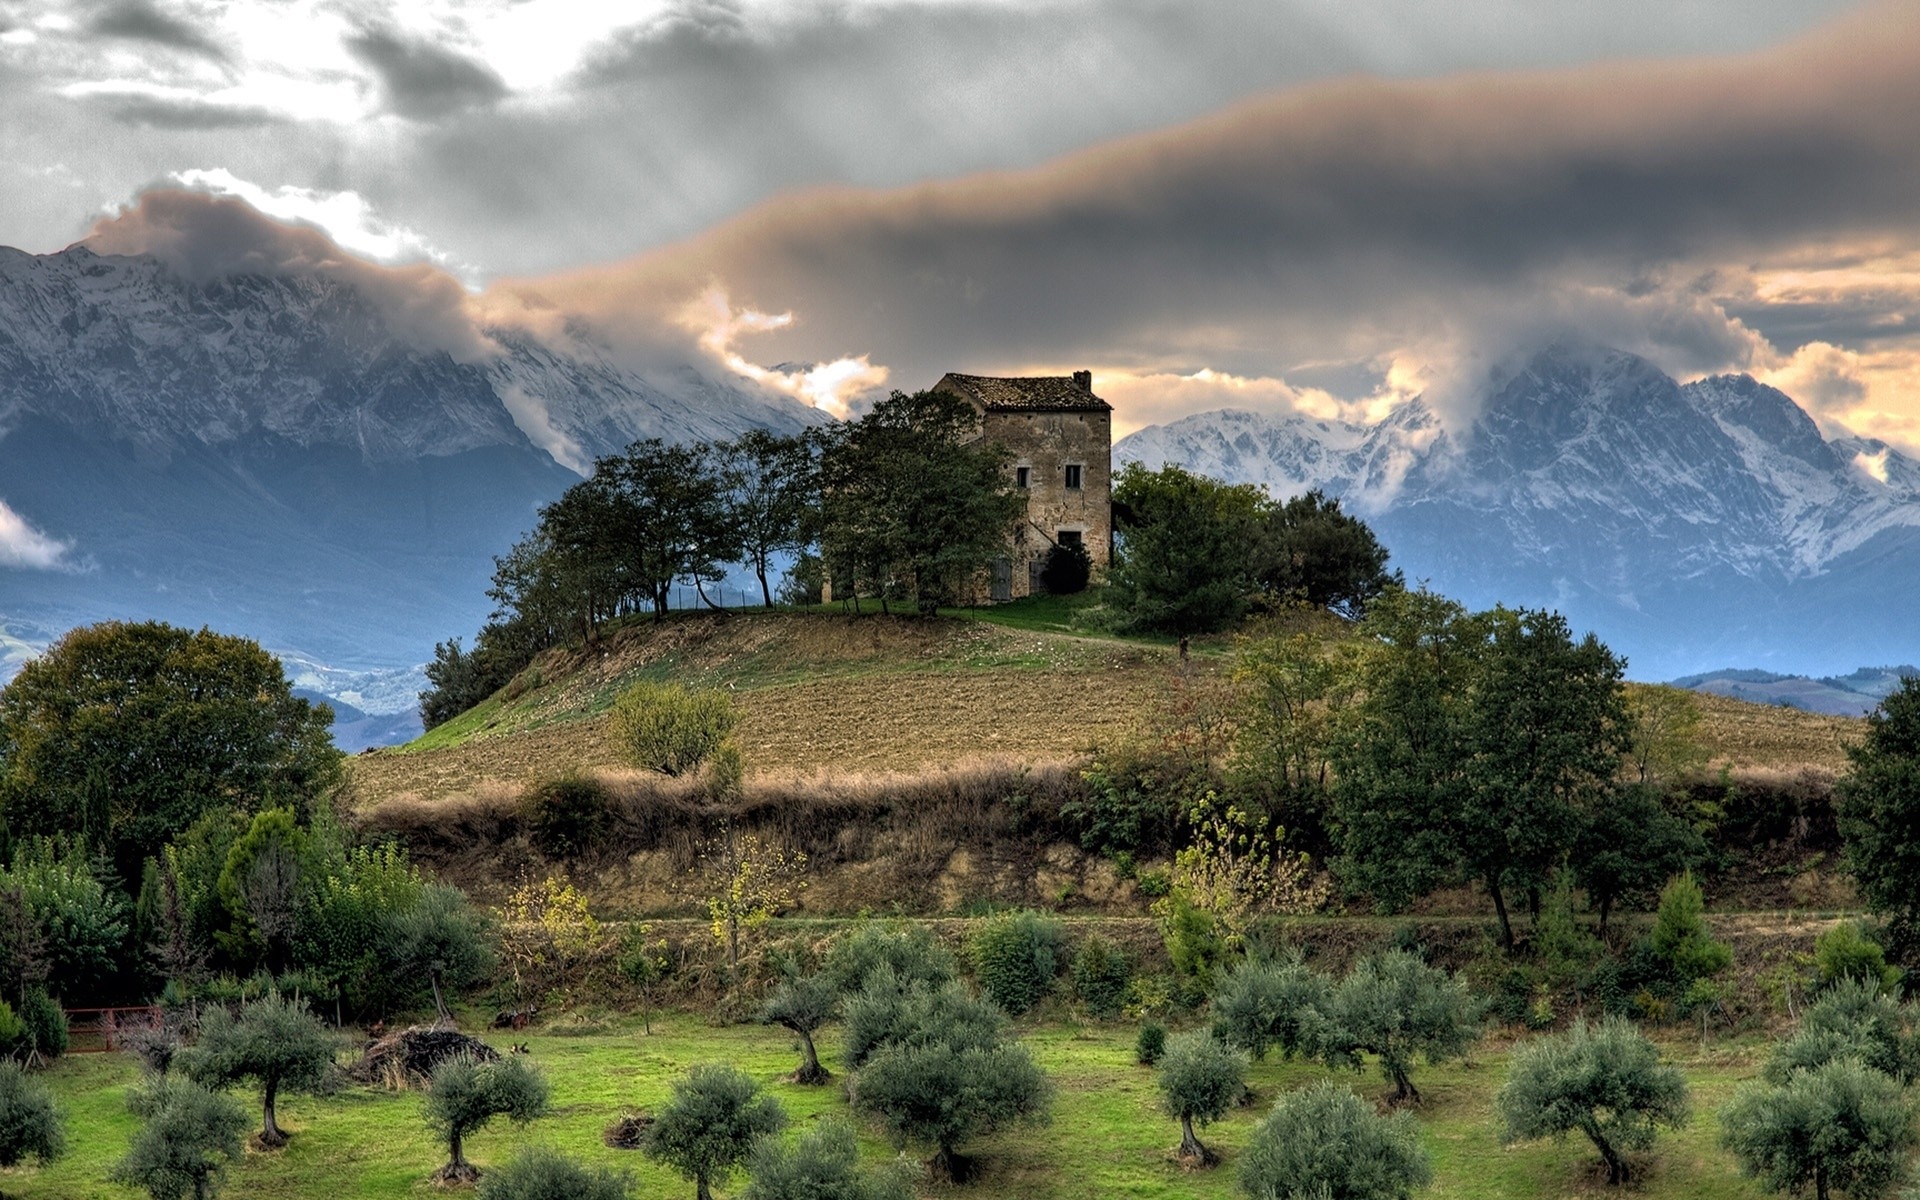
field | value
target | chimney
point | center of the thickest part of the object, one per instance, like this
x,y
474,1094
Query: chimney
x,y
1083,380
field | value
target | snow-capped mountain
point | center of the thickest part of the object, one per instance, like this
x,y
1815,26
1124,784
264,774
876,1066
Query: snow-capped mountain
x,y
1688,525
275,455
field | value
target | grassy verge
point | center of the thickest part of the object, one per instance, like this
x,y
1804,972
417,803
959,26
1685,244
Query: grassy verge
x,y
1107,1137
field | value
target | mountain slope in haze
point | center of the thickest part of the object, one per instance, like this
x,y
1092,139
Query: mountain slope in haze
x,y
269,455
1687,525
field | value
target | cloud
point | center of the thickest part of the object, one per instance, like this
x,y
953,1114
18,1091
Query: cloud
x,y
21,545
424,81
345,216
149,106
144,21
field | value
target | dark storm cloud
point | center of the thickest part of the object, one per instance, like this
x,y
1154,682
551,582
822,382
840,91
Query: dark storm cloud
x,y
182,113
424,81
1339,217
144,21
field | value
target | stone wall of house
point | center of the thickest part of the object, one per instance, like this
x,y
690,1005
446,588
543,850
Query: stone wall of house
x,y
1047,444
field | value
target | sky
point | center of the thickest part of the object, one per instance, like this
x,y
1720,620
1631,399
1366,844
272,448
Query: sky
x,y
1285,205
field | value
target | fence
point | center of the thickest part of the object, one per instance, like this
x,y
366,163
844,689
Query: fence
x,y
97,1030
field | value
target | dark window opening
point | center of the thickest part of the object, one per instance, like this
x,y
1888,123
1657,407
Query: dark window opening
x,y
1069,537
1022,476
1073,476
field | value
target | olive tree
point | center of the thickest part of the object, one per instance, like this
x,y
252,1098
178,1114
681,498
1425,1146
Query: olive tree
x,y
887,1013
465,1094
444,938
802,1005
709,1125
190,1137
910,952
1262,1003
546,1174
823,1165
274,1041
1852,1019
29,1124
942,1095
1398,1008
1200,1079
1839,1126
1325,1143
1606,1082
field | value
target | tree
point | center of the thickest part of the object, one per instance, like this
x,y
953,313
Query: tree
x,y
1396,1007
547,935
774,487
546,1174
466,1094
1680,940
1311,551
1877,807
909,952
29,1124
1845,952
890,1011
1066,570
190,1137
1842,1125
1326,1143
1606,1082
943,1095
1629,846
823,1165
802,1005
1185,556
443,938
749,882
1295,690
671,728
709,1125
275,1041
71,922
1263,1002
1016,958
260,888
1201,1078
645,962
126,733
1851,1019
1234,869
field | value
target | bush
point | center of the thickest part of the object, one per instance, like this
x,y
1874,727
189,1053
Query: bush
x,y
1852,1019
823,1165
670,728
29,1125
466,1094
1605,1082
191,1136
1397,1007
944,1095
1101,972
1840,1126
1201,1078
545,1174
885,1014
565,817
910,952
1265,1003
1016,958
709,1125
1680,941
1067,569
44,1023
1151,1044
13,1032
1844,952
1324,1141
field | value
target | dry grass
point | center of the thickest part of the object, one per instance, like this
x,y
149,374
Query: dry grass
x,y
1742,735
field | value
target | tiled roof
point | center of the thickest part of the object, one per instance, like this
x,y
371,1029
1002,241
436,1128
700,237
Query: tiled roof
x,y
1034,393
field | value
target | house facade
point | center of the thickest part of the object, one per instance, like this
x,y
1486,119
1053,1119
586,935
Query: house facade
x,y
1059,436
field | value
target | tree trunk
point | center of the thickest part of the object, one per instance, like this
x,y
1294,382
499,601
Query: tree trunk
x,y
766,593
1606,906
439,1001
1405,1090
1190,1147
701,592
700,1190
733,943
1820,1183
270,1134
946,1164
1500,906
1616,1165
810,1072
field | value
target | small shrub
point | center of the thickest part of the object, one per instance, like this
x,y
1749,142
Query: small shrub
x,y
1067,569
1324,1141
823,1165
565,817
1151,1044
1844,952
1017,957
1155,885
44,1022
670,728
910,952
29,1125
545,1174
13,1032
1201,1078
1101,975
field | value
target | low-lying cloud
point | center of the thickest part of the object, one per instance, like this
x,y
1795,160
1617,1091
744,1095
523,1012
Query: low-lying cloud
x,y
21,545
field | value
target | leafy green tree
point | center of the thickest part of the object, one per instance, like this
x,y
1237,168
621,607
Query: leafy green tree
x,y
1101,973
29,1124
1186,550
1311,551
1265,1002
671,520
774,486
260,885
44,1024
1630,845
646,962
929,1090
1844,952
1851,1019
274,1041
802,1005
909,952
823,1165
125,734
1841,1126
466,1094
545,1174
1396,1007
671,728
710,1124
190,1137
888,1011
1016,958
1877,806
1201,1078
443,939
1296,688
71,924
1325,1143
346,937
1680,941
1606,1082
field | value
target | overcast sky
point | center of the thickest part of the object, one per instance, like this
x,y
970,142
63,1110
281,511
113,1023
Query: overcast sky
x,y
1312,204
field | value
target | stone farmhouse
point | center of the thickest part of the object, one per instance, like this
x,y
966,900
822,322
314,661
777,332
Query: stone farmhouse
x,y
1060,437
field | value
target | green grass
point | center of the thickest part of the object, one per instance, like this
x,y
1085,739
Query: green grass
x,y
1107,1137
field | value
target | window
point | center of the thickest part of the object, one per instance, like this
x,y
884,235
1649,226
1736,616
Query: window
x,y
1073,477
1023,477
1068,537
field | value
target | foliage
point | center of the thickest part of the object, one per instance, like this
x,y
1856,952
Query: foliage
x,y
124,734
1101,972
772,486
1151,1044
70,922
347,936
909,951
1680,943
547,935
1200,1079
1665,743
933,1091
1844,953
1396,1007
1066,570
1877,806
710,1124
546,1174
1842,1125
1016,957
1564,953
465,1095
43,1024
1309,551
803,1005
190,1137
1606,1082
1186,551
260,885
1235,870
1630,845
29,1124
749,881
645,962
889,1011
565,816
445,939
1852,1019
1326,1143
1296,688
1264,1002
823,1165
275,1041
671,728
